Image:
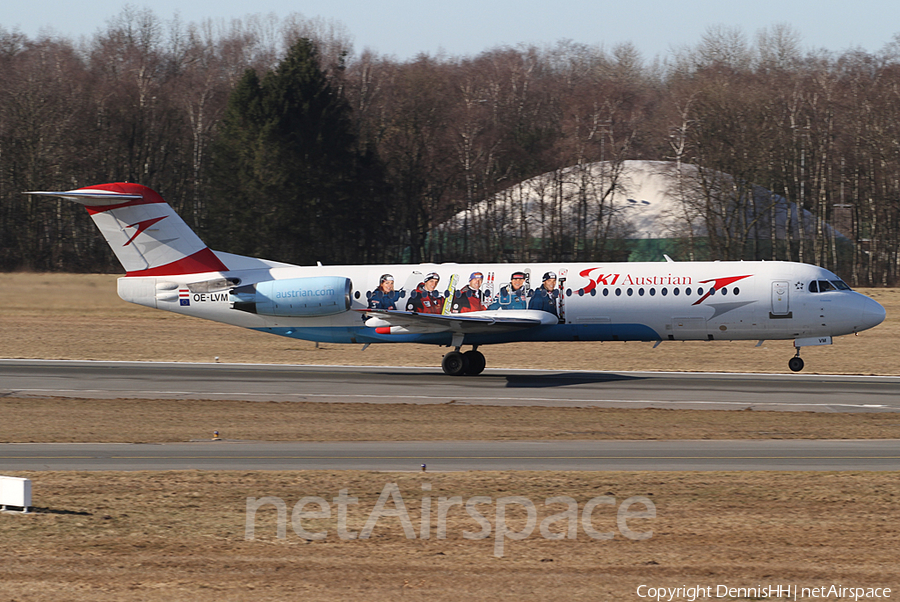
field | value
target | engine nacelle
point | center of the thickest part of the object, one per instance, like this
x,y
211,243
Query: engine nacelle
x,y
295,297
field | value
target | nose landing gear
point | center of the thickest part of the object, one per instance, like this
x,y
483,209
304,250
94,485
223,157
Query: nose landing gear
x,y
795,363
470,363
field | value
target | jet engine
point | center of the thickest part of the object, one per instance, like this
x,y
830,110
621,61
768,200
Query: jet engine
x,y
295,297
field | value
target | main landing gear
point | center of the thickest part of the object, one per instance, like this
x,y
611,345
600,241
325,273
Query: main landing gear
x,y
796,362
470,363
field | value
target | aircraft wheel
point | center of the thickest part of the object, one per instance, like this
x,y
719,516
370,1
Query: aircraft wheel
x,y
476,362
455,363
795,364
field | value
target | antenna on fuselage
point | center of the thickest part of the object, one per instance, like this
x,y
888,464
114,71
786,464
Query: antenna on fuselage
x,y
668,259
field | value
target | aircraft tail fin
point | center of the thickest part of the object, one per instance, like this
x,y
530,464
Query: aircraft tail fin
x,y
144,232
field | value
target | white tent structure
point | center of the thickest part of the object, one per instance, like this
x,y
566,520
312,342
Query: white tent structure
x,y
643,202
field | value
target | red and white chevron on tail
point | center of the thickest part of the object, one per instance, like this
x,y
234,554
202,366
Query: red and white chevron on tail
x,y
146,234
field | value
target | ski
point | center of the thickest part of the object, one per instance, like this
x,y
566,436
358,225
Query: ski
x,y
451,293
488,292
561,305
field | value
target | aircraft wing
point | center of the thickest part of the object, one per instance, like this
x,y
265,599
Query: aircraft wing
x,y
503,320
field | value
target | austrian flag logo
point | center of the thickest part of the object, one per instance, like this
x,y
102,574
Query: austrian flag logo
x,y
184,297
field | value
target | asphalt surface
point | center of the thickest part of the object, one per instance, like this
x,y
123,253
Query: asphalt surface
x,y
333,384
878,455
338,384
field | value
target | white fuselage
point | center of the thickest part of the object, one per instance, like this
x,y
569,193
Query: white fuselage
x,y
596,302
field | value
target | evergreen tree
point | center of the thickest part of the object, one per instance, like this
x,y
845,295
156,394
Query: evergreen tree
x,y
288,180
237,209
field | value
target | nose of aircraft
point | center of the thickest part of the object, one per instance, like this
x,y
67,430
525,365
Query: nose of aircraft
x,y
872,313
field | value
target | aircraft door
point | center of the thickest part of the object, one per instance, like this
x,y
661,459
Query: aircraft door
x,y
781,298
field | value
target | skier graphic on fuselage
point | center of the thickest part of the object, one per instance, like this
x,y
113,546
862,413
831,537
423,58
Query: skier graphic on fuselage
x,y
545,297
384,297
513,295
469,298
425,299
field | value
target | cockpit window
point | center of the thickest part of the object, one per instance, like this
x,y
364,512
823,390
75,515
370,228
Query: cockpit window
x,y
823,286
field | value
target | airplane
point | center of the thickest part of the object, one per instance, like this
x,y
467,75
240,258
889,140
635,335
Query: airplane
x,y
168,267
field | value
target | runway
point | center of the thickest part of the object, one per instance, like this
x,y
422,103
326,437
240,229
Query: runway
x,y
877,455
353,384
334,384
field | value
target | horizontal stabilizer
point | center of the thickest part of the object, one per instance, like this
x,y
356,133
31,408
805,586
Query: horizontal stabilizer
x,y
93,198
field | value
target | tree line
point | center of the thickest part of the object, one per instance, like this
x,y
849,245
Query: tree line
x,y
273,138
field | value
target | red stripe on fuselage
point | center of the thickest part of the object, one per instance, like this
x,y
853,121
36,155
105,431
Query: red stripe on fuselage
x,y
201,261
